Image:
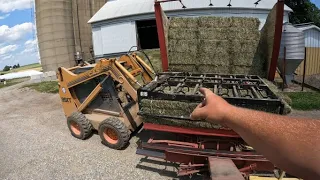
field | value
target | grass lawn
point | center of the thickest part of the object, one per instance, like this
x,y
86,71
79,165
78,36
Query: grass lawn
x,y
13,82
305,100
36,66
45,87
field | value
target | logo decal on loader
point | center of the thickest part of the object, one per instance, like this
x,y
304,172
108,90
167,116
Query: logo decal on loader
x,y
68,100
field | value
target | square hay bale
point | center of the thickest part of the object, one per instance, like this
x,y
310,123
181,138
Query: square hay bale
x,y
218,46
221,69
182,58
214,59
175,109
214,22
183,46
212,33
243,33
179,22
163,107
182,68
182,123
183,34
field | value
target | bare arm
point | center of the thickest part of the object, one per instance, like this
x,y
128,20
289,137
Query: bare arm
x,y
291,144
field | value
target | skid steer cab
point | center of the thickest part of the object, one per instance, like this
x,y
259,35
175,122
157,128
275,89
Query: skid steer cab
x,y
103,97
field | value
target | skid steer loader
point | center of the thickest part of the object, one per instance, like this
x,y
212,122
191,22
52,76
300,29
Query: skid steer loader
x,y
103,97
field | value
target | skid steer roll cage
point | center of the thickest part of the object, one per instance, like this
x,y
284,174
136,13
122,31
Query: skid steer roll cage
x,y
123,70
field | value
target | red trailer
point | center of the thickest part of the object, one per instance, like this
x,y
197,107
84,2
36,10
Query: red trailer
x,y
219,153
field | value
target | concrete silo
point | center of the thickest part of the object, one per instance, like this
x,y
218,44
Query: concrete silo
x,y
55,33
82,11
62,30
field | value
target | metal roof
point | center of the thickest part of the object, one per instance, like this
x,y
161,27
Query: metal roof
x,y
122,8
307,26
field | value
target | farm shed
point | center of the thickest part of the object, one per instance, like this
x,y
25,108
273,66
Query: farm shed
x,y
122,24
312,40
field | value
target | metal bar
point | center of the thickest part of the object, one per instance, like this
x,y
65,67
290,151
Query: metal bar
x,y
174,143
217,78
196,88
112,113
205,152
150,153
126,72
91,96
177,88
234,89
161,36
193,131
277,40
284,68
304,68
254,92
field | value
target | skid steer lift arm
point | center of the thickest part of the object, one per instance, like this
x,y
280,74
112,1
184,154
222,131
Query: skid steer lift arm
x,y
123,71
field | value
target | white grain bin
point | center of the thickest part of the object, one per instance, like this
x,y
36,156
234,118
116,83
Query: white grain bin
x,y
293,40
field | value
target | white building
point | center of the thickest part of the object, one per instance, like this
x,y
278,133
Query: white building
x,y
311,34
122,24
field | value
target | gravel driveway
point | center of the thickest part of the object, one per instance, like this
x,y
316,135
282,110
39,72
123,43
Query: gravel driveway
x,y
35,143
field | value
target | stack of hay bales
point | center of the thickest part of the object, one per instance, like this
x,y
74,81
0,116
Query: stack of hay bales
x,y
214,45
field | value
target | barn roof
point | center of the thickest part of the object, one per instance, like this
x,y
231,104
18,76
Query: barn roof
x,y
122,8
307,26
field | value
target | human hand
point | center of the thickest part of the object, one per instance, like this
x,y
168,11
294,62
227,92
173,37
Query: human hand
x,y
214,108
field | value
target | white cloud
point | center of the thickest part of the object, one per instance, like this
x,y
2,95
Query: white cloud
x,y
7,49
31,46
6,57
16,32
4,16
12,5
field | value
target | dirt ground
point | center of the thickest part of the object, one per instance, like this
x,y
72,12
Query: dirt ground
x,y
35,143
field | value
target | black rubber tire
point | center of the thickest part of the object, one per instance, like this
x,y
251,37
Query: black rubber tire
x,y
120,129
82,122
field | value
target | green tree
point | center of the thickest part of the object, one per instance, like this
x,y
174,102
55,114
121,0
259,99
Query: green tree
x,y
18,65
6,68
304,11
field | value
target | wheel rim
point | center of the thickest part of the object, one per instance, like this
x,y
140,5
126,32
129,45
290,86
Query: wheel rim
x,y
110,135
75,128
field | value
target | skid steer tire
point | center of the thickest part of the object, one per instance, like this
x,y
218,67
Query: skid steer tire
x,y
114,133
79,125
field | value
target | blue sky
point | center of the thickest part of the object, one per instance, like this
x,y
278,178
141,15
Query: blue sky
x,y
316,2
18,44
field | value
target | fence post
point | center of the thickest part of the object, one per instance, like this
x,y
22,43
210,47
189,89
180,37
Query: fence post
x,y
304,68
284,68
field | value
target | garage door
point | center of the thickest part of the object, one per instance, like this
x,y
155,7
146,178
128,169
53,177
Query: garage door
x,y
117,38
